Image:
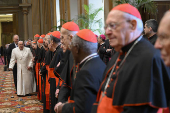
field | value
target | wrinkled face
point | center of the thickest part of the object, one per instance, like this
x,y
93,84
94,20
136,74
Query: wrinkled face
x,y
65,38
16,39
46,40
146,30
29,42
21,45
163,41
34,46
36,39
117,29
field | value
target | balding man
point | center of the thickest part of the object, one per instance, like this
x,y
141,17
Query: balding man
x,y
68,30
9,51
25,79
135,78
89,73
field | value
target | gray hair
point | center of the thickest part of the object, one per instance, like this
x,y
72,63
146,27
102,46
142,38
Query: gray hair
x,y
139,26
153,24
71,32
87,47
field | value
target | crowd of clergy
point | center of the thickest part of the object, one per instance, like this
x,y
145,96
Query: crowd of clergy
x,y
77,71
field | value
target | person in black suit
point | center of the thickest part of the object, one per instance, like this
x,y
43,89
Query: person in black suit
x,y
107,51
10,48
89,74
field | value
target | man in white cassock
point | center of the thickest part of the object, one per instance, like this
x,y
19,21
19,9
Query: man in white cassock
x,y
25,79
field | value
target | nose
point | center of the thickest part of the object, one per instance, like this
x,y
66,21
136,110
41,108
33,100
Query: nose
x,y
158,44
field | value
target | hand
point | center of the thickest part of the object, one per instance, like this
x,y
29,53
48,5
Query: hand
x,y
40,73
56,93
58,64
108,50
60,107
29,68
56,107
10,69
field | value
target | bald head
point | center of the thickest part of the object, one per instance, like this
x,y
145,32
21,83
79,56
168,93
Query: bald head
x,y
21,45
16,39
163,41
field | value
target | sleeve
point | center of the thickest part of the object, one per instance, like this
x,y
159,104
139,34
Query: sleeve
x,y
64,93
13,58
30,58
84,94
139,109
9,52
43,70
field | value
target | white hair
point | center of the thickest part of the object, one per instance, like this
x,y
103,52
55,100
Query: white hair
x,y
87,47
139,26
21,41
71,32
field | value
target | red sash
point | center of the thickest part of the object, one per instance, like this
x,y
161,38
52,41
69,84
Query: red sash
x,y
105,106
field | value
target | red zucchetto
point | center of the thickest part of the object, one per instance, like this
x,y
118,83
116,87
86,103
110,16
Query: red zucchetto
x,y
42,35
37,35
88,35
56,34
127,8
49,33
40,41
71,26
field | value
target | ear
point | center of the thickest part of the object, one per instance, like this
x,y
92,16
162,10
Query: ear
x,y
70,37
133,25
77,48
150,29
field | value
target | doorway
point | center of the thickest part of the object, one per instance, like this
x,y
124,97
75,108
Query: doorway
x,y
6,29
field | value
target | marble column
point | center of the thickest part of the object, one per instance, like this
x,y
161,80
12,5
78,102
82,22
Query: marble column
x,y
25,7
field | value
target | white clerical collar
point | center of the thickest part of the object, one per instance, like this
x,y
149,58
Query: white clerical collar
x,y
94,54
16,45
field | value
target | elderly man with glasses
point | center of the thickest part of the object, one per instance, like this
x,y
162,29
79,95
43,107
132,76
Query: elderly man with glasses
x,y
135,80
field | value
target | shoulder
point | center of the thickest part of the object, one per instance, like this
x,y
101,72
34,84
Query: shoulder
x,y
95,67
146,50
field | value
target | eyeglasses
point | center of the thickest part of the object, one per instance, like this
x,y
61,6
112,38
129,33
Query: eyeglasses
x,y
113,26
62,36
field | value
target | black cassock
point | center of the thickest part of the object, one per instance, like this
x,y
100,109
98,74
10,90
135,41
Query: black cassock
x,y
67,78
86,86
44,72
55,60
140,85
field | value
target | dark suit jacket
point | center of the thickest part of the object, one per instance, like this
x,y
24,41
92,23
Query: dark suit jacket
x,y
10,48
85,87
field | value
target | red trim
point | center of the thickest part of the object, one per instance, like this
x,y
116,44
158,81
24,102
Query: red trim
x,y
74,110
99,92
